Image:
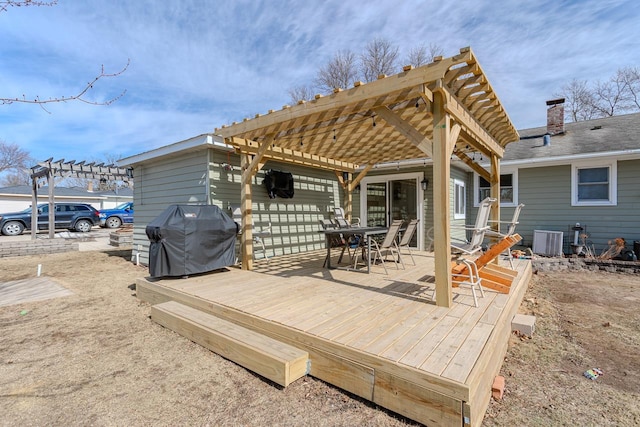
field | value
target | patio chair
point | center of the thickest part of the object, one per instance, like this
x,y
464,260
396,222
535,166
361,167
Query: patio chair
x,y
478,231
258,233
510,231
389,245
336,241
338,215
408,234
472,247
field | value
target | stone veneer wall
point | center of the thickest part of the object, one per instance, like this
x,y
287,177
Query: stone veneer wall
x,y
37,247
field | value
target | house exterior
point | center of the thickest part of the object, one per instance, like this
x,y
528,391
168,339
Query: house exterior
x,y
18,198
585,173
203,170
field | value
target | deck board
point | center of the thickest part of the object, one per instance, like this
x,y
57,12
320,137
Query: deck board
x,y
364,331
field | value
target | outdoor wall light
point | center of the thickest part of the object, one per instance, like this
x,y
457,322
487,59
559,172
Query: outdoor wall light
x,y
425,184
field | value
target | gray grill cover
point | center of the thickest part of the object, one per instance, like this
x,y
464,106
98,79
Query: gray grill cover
x,y
191,239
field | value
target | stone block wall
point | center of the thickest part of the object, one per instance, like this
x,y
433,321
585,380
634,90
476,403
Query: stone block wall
x,y
542,264
37,247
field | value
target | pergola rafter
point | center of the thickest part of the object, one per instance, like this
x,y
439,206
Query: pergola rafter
x,y
437,109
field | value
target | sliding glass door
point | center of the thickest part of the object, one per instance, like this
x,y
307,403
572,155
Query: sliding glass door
x,y
389,197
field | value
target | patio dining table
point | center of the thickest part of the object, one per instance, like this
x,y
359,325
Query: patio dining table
x,y
366,232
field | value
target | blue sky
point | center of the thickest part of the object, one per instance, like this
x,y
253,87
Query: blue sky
x,y
197,65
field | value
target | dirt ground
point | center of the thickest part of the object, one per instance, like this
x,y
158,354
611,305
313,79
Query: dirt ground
x,y
96,358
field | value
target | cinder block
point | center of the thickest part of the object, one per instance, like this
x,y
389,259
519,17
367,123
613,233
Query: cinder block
x,y
524,324
497,389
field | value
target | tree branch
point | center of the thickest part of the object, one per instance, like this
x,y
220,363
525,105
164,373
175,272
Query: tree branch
x,y
77,97
6,4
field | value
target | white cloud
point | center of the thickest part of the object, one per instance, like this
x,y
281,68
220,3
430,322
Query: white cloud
x,y
196,65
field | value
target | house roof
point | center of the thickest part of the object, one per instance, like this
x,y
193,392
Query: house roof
x,y
390,119
614,136
192,144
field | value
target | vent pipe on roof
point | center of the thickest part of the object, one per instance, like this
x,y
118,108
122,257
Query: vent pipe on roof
x,y
546,140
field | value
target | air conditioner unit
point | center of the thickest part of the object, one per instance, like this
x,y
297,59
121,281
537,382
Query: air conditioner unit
x,y
548,243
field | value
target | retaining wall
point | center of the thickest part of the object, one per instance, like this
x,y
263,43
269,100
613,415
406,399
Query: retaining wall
x,y
584,264
37,247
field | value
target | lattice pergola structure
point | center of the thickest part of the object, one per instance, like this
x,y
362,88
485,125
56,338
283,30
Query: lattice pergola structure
x,y
438,110
44,173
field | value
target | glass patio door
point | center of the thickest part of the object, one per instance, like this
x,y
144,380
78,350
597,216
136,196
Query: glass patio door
x,y
392,197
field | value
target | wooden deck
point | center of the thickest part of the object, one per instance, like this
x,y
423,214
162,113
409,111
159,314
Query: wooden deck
x,y
378,336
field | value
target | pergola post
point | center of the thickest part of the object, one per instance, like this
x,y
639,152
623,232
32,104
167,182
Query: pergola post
x,y
495,190
34,208
442,148
52,206
246,240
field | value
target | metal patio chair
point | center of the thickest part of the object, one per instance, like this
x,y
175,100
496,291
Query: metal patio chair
x,y
510,231
259,234
338,215
471,247
389,244
405,241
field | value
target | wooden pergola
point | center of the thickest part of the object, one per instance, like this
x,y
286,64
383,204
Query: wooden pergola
x,y
46,171
437,110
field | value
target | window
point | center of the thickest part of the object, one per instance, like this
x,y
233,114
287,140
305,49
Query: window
x,y
508,183
593,185
459,199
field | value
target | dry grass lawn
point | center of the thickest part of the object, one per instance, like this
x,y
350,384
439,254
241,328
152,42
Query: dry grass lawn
x,y
96,358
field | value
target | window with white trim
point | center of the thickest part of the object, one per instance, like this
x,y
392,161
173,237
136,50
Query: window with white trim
x,y
459,199
594,184
508,185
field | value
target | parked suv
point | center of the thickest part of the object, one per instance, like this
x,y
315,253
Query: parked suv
x,y
74,216
114,218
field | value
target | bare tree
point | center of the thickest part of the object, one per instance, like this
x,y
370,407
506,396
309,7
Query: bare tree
x,y
300,93
13,157
18,177
379,57
579,100
611,97
339,73
14,162
631,78
422,55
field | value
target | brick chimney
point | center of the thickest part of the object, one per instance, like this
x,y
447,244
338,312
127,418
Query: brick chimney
x,y
555,116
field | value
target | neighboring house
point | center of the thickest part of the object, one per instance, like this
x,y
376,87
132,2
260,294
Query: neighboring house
x,y
18,198
585,172
202,170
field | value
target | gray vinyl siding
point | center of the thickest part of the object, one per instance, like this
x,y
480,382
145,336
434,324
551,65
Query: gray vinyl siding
x,y
202,178
159,184
546,193
295,222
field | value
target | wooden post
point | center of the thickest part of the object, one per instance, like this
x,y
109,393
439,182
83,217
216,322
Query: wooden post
x,y
348,203
495,194
442,148
52,206
246,240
